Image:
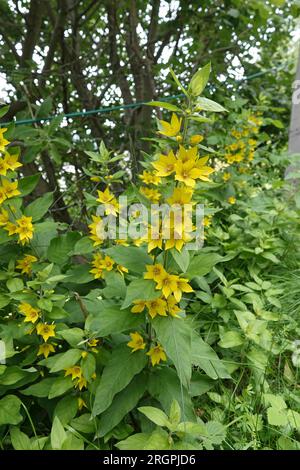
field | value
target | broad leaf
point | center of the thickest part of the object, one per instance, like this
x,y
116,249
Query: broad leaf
x,y
120,370
175,336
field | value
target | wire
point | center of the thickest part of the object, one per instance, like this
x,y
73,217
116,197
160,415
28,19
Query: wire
x,y
90,112
108,109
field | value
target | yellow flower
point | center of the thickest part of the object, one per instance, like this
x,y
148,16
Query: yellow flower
x,y
31,314
95,179
182,286
157,354
2,194
173,308
96,229
187,155
46,331
205,170
97,266
11,228
105,196
167,283
24,229
93,342
10,188
4,217
154,238
171,129
137,342
150,178
226,176
156,307
25,264
165,165
187,172
109,200
3,141
122,269
81,383
207,221
196,139
151,193
3,167
154,271
231,200
139,306
12,161
181,195
107,263
81,404
45,349
74,371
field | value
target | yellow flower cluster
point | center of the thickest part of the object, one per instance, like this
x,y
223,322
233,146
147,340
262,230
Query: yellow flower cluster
x,y
8,189
156,353
243,148
101,264
76,374
32,315
25,264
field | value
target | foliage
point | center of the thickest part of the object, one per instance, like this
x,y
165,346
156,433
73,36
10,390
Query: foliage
x,y
141,343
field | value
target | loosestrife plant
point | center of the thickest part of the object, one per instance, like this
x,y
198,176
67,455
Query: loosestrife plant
x,y
92,326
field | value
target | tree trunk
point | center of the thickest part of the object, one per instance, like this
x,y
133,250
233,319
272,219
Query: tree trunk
x,y
294,135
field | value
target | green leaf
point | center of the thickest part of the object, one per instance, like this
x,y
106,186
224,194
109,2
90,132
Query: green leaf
x,y
3,111
15,284
120,370
200,384
133,258
88,366
43,233
60,386
175,412
181,258
66,409
65,360
165,105
83,246
176,80
202,264
231,339
199,80
135,442
155,415
38,208
123,403
10,410
174,390
72,442
277,417
73,336
175,336
58,434
28,184
114,320
45,108
140,289
60,247
208,105
19,440
205,357
79,274
40,389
